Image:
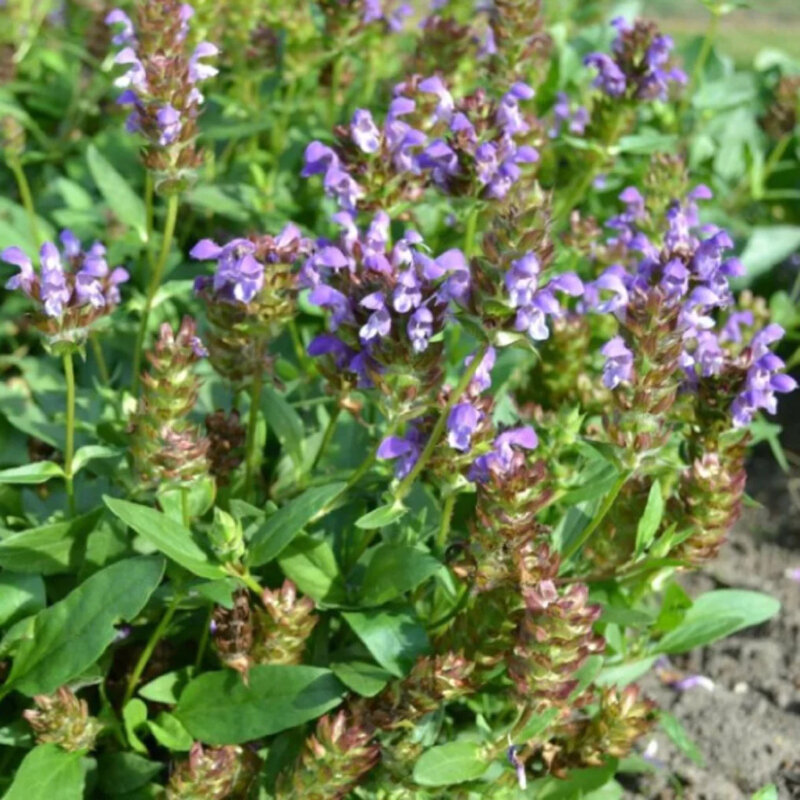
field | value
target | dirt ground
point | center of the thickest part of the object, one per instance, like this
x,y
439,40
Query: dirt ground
x,y
747,726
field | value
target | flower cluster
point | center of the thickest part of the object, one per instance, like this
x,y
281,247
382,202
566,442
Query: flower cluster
x,y
252,293
388,303
67,300
165,445
639,67
214,773
469,147
63,719
160,83
567,115
686,277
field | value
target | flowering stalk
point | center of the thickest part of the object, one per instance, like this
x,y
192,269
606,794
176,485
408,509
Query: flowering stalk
x,y
252,456
153,286
404,487
69,448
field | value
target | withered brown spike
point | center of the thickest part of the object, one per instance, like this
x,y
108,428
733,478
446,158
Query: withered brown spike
x,y
233,632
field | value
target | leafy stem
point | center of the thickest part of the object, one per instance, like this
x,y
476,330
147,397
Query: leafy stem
x,y
155,638
26,196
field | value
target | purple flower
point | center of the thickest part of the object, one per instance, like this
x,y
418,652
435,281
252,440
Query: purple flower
x,y
333,300
318,159
445,105
53,289
610,78
328,344
509,117
379,323
364,131
125,35
406,449
522,280
501,458
420,329
26,277
461,424
199,71
239,276
482,379
619,363
169,121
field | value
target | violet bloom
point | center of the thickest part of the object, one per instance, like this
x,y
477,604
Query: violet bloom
x,y
364,131
379,323
619,363
505,451
445,105
169,121
461,425
420,329
239,276
405,449
328,344
509,116
610,78
125,35
482,379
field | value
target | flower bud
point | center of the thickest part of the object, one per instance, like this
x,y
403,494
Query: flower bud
x,y
63,719
214,773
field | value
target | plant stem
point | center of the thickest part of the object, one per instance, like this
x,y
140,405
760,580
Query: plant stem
x,y
155,638
702,57
155,282
251,451
26,196
444,528
470,230
69,448
148,214
601,514
201,647
185,515
336,77
327,436
405,485
102,368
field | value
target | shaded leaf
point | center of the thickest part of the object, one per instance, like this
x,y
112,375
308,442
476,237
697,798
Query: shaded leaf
x,y
219,708
395,638
451,763
48,772
273,535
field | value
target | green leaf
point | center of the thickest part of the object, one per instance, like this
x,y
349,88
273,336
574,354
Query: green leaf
x,y
576,784
284,422
38,472
64,640
768,792
272,536
126,204
537,725
393,570
768,246
121,773
169,732
20,596
394,638
219,708
673,608
677,733
588,671
311,564
718,614
134,717
90,452
382,516
168,536
167,688
651,519
648,142
451,763
624,673
360,676
48,772
50,549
